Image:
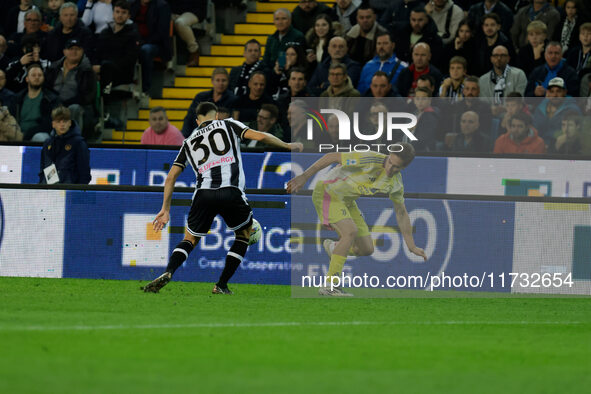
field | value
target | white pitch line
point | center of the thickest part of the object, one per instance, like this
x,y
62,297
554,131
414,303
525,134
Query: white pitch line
x,y
284,324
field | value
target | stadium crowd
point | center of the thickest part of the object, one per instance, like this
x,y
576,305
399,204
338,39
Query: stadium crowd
x,y
508,76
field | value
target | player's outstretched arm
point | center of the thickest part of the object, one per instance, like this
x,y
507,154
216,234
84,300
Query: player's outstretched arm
x,y
164,215
299,181
270,139
406,230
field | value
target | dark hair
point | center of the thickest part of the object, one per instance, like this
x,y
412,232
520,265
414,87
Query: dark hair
x,y
34,65
428,77
366,6
312,39
425,90
206,107
522,117
123,4
465,22
493,16
272,108
252,41
297,70
224,110
420,10
381,73
407,154
299,50
158,109
515,94
385,33
61,113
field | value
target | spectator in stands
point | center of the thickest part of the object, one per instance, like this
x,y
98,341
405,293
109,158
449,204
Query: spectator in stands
x,y
568,141
117,49
361,38
68,28
337,51
520,138
397,14
340,83
421,29
470,139
492,38
451,115
16,71
579,56
266,121
97,13
65,157
555,66
278,79
51,15
345,12
296,88
75,82
532,55
9,128
421,57
385,60
161,132
14,19
427,119
566,32
220,95
427,81
285,35
548,115
240,75
305,13
7,96
4,59
447,17
297,131
380,86
463,44
514,103
223,113
453,85
32,28
153,19
482,8
502,79
34,106
246,107
318,37
539,10
186,13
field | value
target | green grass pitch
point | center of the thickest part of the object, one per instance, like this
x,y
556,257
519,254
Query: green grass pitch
x,y
95,336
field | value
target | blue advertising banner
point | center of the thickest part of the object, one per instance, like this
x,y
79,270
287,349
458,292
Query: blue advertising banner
x,y
271,170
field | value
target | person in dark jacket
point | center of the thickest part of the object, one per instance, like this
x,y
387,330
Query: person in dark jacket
x,y
220,95
117,49
240,75
153,20
75,82
421,24
285,35
68,28
304,15
65,157
34,105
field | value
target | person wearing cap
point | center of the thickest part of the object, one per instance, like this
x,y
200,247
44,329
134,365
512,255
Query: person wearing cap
x,y
548,115
555,66
74,80
68,27
16,71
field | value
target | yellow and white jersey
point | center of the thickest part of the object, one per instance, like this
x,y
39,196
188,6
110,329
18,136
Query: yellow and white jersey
x,y
363,174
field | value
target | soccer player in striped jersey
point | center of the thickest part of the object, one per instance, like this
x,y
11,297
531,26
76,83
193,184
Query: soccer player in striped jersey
x,y
356,175
213,150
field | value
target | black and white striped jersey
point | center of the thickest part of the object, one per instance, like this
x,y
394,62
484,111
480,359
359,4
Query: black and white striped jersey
x,y
213,150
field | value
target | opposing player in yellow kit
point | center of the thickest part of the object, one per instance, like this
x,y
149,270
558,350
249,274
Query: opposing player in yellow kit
x,y
356,175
